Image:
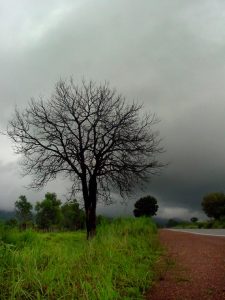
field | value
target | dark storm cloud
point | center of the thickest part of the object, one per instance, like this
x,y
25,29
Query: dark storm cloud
x,y
167,54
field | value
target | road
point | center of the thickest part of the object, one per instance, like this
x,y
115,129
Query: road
x,y
193,267
210,232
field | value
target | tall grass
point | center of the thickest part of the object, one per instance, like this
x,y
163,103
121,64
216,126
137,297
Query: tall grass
x,y
116,264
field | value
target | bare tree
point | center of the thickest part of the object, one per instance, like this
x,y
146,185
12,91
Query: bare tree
x,y
91,135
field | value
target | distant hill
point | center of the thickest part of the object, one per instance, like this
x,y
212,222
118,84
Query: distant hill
x,y
160,221
6,215
165,222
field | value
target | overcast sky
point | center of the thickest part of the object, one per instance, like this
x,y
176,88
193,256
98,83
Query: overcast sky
x,y
168,54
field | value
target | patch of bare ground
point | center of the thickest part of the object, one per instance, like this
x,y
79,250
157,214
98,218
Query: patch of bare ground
x,y
192,268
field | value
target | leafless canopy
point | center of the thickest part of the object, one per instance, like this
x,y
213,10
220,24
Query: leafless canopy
x,y
83,132
90,134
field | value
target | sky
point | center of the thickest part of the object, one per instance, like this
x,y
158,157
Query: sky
x,y
167,54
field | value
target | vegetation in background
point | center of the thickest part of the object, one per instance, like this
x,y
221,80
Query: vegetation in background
x,y
73,217
146,206
194,219
213,205
214,224
116,264
48,212
12,222
23,212
50,215
172,223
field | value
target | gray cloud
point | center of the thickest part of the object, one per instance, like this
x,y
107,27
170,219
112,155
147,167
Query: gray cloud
x,y
167,54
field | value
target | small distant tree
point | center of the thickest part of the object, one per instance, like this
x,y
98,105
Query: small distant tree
x,y
73,217
48,212
194,219
23,211
213,205
146,206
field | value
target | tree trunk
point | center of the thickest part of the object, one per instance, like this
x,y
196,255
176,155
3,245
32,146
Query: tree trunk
x,y
91,221
91,208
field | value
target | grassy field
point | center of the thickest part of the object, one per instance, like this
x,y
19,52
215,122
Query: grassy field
x,y
116,264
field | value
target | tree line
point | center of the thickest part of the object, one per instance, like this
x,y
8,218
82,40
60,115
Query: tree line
x,y
51,214
48,214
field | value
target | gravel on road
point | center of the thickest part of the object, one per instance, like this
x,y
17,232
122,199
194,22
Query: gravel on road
x,y
194,268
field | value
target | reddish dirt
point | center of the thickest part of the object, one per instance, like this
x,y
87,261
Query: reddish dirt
x,y
194,268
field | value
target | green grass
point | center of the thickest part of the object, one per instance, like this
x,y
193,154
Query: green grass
x,y
116,264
